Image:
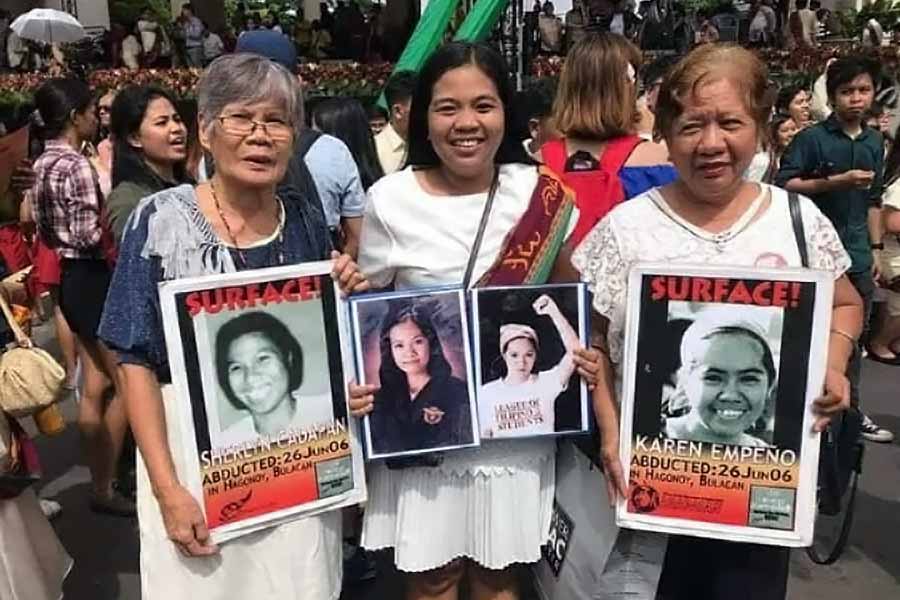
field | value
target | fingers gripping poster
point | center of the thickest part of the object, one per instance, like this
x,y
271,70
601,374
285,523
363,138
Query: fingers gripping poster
x,y
721,368
258,371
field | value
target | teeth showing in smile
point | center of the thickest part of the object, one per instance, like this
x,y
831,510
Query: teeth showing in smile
x,y
729,414
466,143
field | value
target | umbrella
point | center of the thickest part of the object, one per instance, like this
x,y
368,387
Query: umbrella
x,y
48,25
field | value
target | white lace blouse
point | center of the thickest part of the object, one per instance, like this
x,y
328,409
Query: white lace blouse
x,y
646,229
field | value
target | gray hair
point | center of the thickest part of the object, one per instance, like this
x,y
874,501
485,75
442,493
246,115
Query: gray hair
x,y
246,78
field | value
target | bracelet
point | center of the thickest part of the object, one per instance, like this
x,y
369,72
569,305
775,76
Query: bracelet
x,y
845,335
878,246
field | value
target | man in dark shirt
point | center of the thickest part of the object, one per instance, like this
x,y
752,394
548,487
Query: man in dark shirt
x,y
839,164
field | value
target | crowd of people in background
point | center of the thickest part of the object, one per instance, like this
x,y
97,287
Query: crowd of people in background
x,y
340,181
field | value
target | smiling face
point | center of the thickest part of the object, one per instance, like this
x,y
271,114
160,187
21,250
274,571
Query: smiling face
x,y
410,348
258,373
162,137
519,356
466,122
713,141
727,383
799,108
257,159
786,132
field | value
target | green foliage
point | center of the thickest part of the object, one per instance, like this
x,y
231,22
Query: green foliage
x,y
129,11
886,12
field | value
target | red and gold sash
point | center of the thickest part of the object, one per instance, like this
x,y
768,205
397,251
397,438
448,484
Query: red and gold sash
x,y
530,249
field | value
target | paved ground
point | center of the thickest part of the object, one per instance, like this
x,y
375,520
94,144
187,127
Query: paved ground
x,y
106,550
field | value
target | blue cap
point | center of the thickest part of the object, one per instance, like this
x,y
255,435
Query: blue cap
x,y
271,44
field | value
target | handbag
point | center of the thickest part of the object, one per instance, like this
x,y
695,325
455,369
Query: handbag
x,y
30,379
19,459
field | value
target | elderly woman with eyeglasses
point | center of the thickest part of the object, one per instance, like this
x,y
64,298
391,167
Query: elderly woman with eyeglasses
x,y
248,109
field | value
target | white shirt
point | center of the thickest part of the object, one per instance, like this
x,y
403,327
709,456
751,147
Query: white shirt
x,y
391,149
519,409
213,47
131,52
643,229
416,239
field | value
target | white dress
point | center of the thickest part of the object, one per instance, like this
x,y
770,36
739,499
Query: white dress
x,y
491,504
33,563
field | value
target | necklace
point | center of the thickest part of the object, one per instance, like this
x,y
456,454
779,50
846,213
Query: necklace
x,y
721,239
233,239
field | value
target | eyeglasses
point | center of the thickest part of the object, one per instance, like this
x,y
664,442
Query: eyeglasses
x,y
278,131
103,109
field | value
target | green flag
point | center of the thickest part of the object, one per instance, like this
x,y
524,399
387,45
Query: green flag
x,y
428,35
480,20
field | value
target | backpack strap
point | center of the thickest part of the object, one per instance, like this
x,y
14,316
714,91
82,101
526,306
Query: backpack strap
x,y
617,151
554,155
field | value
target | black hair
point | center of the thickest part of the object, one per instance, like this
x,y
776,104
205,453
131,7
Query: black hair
x,y
801,4
126,116
393,381
786,95
346,119
534,102
273,329
657,69
400,87
775,124
846,69
57,99
453,56
374,111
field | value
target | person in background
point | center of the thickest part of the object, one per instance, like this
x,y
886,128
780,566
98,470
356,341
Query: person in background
x,y
651,78
302,33
321,45
378,119
782,130
67,210
131,51
322,164
391,142
150,151
809,23
346,119
534,116
839,164
794,100
213,46
4,31
884,343
33,562
551,30
596,112
576,24
104,110
192,31
819,107
270,22
150,37
872,34
879,119
712,110
763,23
16,52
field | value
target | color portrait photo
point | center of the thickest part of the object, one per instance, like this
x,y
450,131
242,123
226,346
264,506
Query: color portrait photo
x,y
415,348
527,381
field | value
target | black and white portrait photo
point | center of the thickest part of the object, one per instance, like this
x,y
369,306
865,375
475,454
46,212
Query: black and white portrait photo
x,y
266,372
724,388
527,381
415,348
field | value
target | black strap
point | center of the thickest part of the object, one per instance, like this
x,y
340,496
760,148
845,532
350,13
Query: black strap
x,y
797,222
476,246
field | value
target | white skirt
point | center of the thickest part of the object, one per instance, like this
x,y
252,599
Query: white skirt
x,y
300,560
430,516
33,563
